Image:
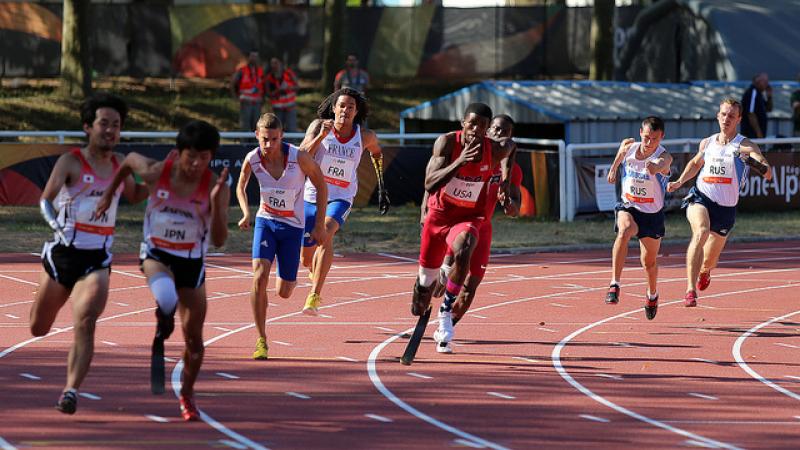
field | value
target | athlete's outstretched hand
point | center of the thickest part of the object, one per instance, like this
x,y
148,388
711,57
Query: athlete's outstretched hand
x,y
673,186
383,201
103,203
472,149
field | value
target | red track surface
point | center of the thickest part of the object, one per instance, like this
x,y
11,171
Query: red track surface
x,y
540,362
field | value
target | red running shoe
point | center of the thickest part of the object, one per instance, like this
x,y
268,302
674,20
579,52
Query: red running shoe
x,y
612,297
189,412
703,281
690,300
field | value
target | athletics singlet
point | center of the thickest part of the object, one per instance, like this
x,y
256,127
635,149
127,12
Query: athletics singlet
x,y
640,189
465,193
178,225
339,163
281,199
723,173
76,205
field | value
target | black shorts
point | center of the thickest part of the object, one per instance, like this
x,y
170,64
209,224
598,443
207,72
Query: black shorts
x,y
188,272
721,218
67,265
651,225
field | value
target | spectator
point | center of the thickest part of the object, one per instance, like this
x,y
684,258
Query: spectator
x,y
351,76
756,103
282,92
795,101
248,86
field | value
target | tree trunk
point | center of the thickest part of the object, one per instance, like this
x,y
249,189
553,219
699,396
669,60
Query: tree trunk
x,y
333,57
76,77
602,67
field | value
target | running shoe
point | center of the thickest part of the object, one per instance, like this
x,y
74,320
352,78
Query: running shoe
x,y
650,307
165,324
68,403
189,412
690,300
312,304
612,297
445,331
262,349
703,281
444,347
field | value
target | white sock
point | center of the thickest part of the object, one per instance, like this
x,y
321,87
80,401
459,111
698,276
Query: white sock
x,y
651,296
614,283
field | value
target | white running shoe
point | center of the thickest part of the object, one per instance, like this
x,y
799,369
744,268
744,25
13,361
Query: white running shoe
x,y
445,329
444,347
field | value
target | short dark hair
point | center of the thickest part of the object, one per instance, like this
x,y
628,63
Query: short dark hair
x,y
198,135
479,109
99,100
654,122
505,117
325,110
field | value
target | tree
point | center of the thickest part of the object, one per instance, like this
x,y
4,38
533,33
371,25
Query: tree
x,y
602,36
76,79
334,35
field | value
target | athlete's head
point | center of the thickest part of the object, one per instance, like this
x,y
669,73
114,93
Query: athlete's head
x,y
344,106
502,126
729,115
102,116
269,132
651,132
476,120
197,142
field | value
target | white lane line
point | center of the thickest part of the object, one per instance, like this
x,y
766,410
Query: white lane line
x,y
120,304
522,358
113,344
465,443
478,316
379,418
345,358
559,305
272,304
168,359
5,445
229,376
704,330
22,302
623,344
608,375
778,343
419,375
298,395
282,343
737,352
704,360
363,294
325,316
30,376
694,443
129,274
90,396
498,294
232,444
794,377
11,316
549,330
222,329
703,396
155,418
19,280
595,418
388,330
401,258
501,395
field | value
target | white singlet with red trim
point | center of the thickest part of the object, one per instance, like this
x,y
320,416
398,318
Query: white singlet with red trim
x,y
339,163
640,189
723,173
282,198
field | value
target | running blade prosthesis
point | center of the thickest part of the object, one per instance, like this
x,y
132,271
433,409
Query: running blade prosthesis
x,y
416,338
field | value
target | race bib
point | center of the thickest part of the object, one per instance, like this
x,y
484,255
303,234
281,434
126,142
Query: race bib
x,y
88,222
463,193
635,188
278,202
337,171
173,231
719,170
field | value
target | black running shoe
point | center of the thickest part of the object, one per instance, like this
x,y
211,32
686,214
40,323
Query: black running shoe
x,y
612,297
165,325
651,308
68,403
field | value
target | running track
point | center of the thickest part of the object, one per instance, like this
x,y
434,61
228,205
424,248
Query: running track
x,y
540,361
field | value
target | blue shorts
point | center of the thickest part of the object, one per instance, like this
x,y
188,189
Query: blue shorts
x,y
721,218
271,238
337,210
651,225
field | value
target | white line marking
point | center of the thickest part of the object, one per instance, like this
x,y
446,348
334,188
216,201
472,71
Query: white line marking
x,y
222,329
272,304
5,445
298,395
793,377
11,316
608,375
704,330
120,304
228,375
419,375
501,395
282,343
704,360
232,444
345,358
23,302
478,316
389,330
363,294
549,330
498,294
158,419
326,316
559,305
379,418
594,418
466,443
128,274
89,395
522,358
19,280
30,376
703,396
401,258
778,343
113,344
168,359
694,443
622,344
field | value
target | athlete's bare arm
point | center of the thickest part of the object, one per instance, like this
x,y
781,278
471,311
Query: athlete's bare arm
x,y
440,170
692,168
219,199
241,195
660,165
751,149
314,174
65,172
148,170
621,152
133,192
315,133
504,152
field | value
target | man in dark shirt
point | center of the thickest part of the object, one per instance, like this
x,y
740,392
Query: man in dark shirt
x,y
756,103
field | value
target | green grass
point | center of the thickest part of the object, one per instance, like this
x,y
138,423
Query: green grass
x,y
398,232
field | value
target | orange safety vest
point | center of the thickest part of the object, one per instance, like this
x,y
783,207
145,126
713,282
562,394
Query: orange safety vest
x,y
286,99
251,88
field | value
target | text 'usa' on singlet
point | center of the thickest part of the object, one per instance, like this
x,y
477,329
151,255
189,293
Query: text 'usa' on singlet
x,y
338,161
281,198
178,225
465,193
76,205
723,172
640,189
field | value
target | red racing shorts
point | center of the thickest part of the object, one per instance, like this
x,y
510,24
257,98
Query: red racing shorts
x,y
438,234
480,257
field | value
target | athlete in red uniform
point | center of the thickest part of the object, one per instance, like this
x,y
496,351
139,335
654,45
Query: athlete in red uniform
x,y
456,180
